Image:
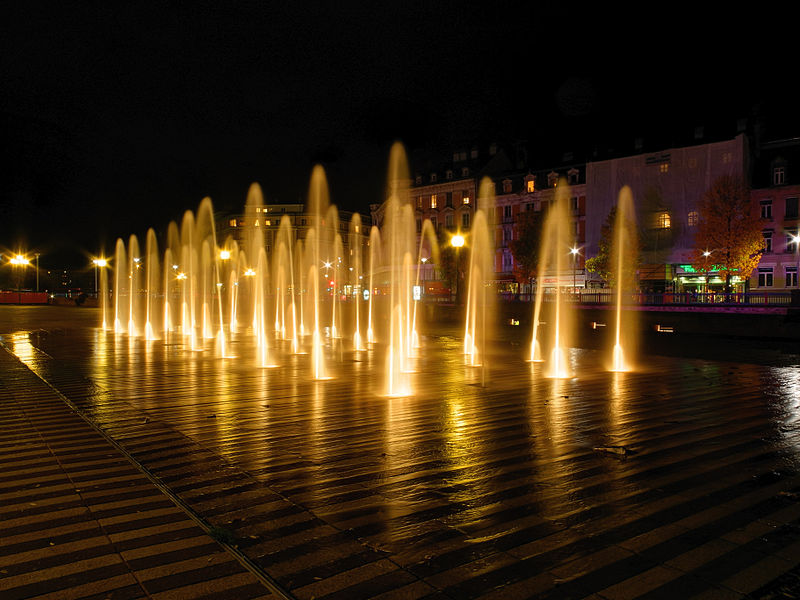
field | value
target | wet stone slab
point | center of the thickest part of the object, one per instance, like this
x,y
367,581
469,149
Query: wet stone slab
x,y
677,479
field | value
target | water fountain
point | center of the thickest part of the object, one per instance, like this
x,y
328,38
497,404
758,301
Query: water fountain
x,y
624,251
553,262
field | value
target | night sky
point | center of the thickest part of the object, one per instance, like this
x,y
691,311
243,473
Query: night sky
x,y
116,117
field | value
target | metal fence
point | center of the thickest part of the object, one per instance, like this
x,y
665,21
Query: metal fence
x,y
609,296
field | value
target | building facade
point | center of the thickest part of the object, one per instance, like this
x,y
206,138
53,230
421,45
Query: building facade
x,y
666,187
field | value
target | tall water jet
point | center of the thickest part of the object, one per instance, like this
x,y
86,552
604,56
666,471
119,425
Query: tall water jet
x,y
375,259
480,293
553,265
134,266
399,238
624,257
356,278
318,204
121,286
152,281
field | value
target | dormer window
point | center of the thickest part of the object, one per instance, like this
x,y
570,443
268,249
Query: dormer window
x,y
506,186
552,179
448,174
530,184
778,175
573,176
465,171
433,177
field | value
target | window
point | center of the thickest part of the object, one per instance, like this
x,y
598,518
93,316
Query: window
x,y
791,276
465,172
507,212
473,153
791,208
508,262
465,220
573,176
448,174
790,245
766,209
573,205
552,179
693,218
433,200
465,199
530,185
778,175
663,167
434,223
449,199
448,220
232,222
692,163
506,186
419,202
765,277
663,220
418,180
419,225
767,241
727,158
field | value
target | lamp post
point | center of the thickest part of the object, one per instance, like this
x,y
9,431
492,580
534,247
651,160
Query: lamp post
x,y
574,251
457,242
98,262
19,261
796,241
36,256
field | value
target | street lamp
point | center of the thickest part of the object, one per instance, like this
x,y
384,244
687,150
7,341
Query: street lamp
x,y
36,255
706,254
19,261
457,242
574,252
98,262
796,242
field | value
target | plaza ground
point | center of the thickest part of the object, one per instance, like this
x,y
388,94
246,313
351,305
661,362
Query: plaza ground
x,y
143,469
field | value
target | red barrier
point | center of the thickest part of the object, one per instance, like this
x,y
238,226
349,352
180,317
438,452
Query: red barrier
x,y
7,297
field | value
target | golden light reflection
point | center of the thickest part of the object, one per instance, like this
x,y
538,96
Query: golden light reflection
x,y
23,349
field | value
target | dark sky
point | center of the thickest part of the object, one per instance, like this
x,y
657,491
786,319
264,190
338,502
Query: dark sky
x,y
117,117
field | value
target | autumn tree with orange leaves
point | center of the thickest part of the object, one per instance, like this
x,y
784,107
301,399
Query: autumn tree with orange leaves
x,y
729,234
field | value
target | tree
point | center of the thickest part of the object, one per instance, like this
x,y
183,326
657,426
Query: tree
x,y
603,264
729,235
525,248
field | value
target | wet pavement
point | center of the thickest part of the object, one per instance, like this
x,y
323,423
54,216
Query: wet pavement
x,y
678,480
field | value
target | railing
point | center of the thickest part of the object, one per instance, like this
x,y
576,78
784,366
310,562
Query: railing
x,y
609,296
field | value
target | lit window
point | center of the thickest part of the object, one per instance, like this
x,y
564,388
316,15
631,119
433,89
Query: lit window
x,y
694,217
530,185
433,200
232,222
765,277
791,276
767,241
664,221
256,223
465,199
664,167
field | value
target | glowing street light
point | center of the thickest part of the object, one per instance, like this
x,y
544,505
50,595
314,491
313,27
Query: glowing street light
x,y
224,254
19,261
98,262
574,252
457,242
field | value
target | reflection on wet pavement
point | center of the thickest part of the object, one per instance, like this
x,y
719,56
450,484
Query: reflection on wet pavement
x,y
677,479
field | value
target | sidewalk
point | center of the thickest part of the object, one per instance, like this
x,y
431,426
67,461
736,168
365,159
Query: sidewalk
x,y
79,520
